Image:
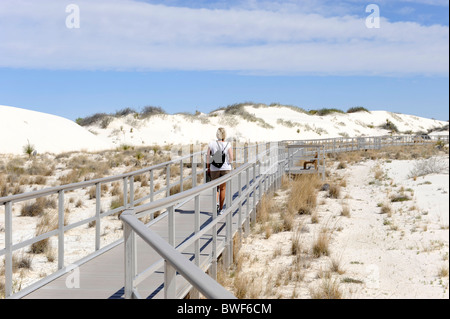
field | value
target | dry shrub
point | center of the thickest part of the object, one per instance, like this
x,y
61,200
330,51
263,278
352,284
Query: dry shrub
x,y
321,245
379,173
285,182
43,168
116,189
240,286
328,289
288,221
21,261
3,186
386,209
37,207
264,209
177,188
71,177
432,165
303,195
47,223
334,191
296,244
40,180
341,165
345,210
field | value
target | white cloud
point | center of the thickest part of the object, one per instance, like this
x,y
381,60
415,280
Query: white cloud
x,y
125,34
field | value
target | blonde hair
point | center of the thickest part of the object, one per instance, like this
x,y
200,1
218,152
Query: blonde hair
x,y
221,134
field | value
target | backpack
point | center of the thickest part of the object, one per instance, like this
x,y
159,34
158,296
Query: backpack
x,y
218,158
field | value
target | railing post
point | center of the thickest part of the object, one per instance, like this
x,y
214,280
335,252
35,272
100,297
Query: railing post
x,y
247,213
181,175
171,223
125,192
97,215
254,193
168,180
151,186
194,173
246,153
60,229
130,259
195,293
170,288
228,255
240,204
169,271
131,204
213,270
8,248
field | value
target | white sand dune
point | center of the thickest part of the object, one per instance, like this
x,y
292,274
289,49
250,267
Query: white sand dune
x,y
260,123
273,123
46,132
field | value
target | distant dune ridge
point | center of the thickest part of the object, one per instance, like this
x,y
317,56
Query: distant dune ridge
x,y
244,123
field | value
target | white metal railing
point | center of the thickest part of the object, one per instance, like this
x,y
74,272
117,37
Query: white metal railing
x,y
196,160
252,155
253,179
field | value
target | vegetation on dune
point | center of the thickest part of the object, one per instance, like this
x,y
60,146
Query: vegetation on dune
x,y
357,109
104,119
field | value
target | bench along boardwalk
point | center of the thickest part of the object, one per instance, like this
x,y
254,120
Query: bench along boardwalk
x,y
176,253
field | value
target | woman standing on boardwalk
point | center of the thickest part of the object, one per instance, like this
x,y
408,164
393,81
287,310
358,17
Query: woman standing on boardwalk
x,y
218,162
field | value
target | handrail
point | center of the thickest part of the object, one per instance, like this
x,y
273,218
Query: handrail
x,y
84,184
174,199
132,279
204,283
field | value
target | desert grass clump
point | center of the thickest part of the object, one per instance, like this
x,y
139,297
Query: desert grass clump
x,y
264,209
241,286
37,207
328,289
378,174
335,266
285,182
345,210
21,261
386,209
47,223
334,191
295,243
303,196
321,244
3,186
177,188
443,271
399,198
341,165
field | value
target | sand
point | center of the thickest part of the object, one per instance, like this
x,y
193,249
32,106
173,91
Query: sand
x,y
393,255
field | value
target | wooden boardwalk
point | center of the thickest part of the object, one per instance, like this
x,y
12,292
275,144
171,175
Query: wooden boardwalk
x,y
103,276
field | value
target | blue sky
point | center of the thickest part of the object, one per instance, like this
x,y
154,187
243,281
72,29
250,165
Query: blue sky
x,y
200,55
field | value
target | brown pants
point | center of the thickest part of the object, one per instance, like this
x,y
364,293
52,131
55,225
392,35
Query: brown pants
x,y
217,174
